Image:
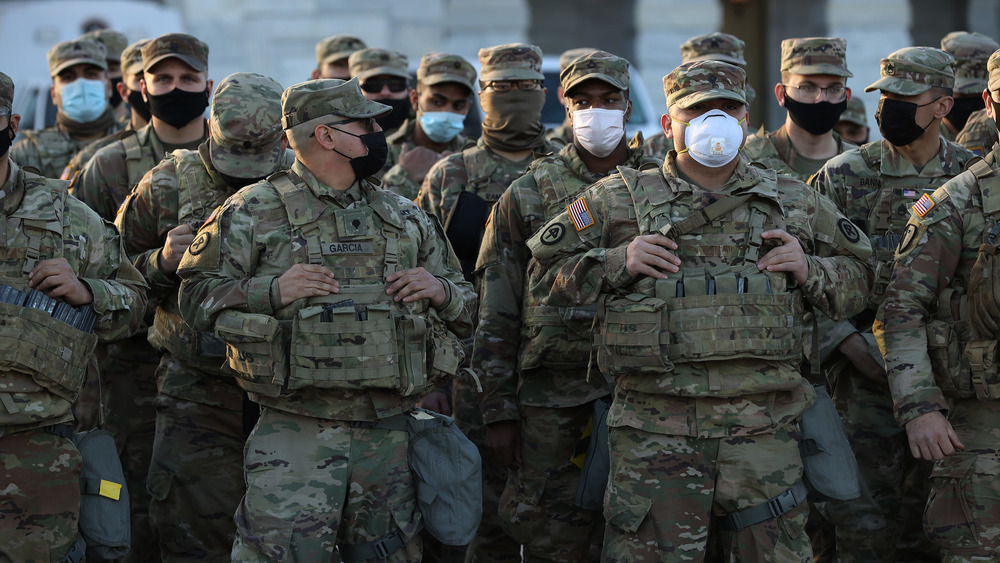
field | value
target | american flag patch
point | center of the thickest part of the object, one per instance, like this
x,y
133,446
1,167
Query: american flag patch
x,y
909,193
580,213
923,205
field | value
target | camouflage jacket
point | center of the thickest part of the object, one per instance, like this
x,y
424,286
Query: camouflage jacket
x,y
49,150
937,252
562,135
774,150
504,331
979,134
874,186
396,178
248,244
81,158
93,250
590,261
946,132
657,146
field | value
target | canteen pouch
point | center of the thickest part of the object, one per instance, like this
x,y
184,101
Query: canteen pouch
x,y
254,351
831,470
105,523
631,338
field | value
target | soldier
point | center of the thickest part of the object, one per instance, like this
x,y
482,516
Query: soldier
x,y
704,424
563,135
442,98
384,78
56,245
332,54
853,125
317,238
874,186
80,92
940,352
971,52
979,134
114,43
512,96
812,69
536,401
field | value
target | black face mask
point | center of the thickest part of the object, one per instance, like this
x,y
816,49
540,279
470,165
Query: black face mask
x,y
897,120
371,163
235,183
400,111
963,108
136,102
116,97
6,139
178,107
816,119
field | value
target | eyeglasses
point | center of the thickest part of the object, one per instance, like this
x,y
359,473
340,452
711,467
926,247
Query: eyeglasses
x,y
811,92
375,85
508,85
369,124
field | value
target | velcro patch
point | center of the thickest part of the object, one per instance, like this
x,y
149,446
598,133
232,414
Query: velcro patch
x,y
923,205
110,490
212,217
335,248
579,212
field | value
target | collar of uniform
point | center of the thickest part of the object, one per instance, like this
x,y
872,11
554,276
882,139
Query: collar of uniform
x,y
321,190
403,134
575,164
946,163
12,191
745,179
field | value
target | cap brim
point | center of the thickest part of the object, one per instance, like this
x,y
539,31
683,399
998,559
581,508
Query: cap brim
x,y
511,74
705,95
595,75
369,108
334,57
821,69
240,162
445,79
899,86
188,60
84,61
381,70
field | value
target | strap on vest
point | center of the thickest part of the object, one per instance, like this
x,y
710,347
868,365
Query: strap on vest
x,y
378,549
708,214
773,508
33,229
133,159
286,187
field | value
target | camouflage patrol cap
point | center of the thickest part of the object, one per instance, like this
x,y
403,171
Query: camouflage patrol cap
x,y
113,41
77,51
6,94
510,61
245,126
993,66
597,64
698,81
309,100
915,70
187,48
714,47
338,47
815,55
971,52
370,62
132,58
855,112
438,68
571,55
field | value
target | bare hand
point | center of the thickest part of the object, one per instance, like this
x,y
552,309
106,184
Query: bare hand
x,y
306,280
418,161
855,349
416,283
55,278
932,437
650,255
436,401
178,240
503,441
789,257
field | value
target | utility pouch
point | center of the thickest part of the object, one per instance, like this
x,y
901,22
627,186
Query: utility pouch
x,y
105,524
831,470
631,337
254,350
982,358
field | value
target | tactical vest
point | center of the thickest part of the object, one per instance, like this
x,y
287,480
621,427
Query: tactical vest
x,y
358,338
138,159
54,354
201,349
54,148
718,307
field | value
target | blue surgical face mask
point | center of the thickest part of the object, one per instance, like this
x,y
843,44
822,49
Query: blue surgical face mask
x,y
84,100
442,126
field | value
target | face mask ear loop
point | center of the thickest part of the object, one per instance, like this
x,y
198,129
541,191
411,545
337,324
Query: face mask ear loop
x,y
685,124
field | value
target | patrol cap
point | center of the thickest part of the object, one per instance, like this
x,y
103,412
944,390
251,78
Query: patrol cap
x,y
309,100
971,52
370,62
187,48
510,61
572,54
993,66
113,41
6,93
915,70
132,58
338,47
601,65
815,55
77,51
855,112
714,47
245,126
438,68
698,81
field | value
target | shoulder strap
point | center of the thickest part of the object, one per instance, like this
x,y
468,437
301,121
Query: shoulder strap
x,y
294,198
708,214
872,154
35,227
478,167
136,162
650,195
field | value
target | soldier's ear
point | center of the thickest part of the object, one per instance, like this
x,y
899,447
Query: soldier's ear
x,y
779,93
665,124
988,100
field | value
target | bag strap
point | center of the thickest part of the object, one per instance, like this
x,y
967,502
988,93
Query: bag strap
x,y
708,214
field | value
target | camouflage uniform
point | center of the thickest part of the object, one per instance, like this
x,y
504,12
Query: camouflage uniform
x,y
692,439
972,52
979,134
563,135
533,362
49,150
40,468
812,55
874,186
486,174
435,68
318,474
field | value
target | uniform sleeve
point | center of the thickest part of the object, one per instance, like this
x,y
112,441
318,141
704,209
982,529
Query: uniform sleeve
x,y
445,180
91,186
398,181
24,154
437,257
148,213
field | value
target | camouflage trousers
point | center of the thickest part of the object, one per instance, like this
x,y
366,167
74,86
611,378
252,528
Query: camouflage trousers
x,y
39,496
664,493
871,527
491,544
314,484
538,507
963,509
194,478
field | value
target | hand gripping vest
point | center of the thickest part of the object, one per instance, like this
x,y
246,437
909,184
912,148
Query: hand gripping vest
x,y
358,338
32,342
718,307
